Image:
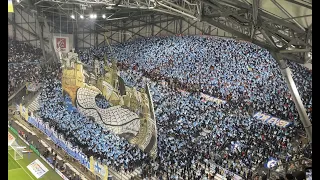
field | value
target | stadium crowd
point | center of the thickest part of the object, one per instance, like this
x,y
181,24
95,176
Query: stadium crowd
x,y
193,134
22,64
102,102
83,133
22,52
232,139
239,72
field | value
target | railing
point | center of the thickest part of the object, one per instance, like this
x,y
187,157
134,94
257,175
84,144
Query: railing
x,y
13,97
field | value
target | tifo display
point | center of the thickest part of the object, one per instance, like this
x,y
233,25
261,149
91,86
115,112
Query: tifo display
x,y
216,107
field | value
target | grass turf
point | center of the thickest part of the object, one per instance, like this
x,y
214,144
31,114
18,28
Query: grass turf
x,y
17,169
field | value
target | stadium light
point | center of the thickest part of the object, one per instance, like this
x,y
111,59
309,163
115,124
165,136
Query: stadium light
x,y
93,16
72,16
103,16
81,16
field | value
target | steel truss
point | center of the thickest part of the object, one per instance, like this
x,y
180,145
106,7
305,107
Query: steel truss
x,y
250,23
238,17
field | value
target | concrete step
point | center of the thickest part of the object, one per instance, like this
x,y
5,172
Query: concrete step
x,y
35,104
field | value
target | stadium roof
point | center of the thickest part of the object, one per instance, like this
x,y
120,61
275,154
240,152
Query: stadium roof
x,y
281,26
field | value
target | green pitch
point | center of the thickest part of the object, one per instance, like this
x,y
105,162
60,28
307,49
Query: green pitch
x,y
17,169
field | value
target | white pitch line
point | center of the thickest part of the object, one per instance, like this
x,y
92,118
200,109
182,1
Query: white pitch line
x,y
14,169
21,167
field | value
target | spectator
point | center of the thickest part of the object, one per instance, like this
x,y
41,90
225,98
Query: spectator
x,y
192,132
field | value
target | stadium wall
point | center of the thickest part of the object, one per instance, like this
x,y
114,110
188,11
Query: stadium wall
x,y
22,27
88,33
92,34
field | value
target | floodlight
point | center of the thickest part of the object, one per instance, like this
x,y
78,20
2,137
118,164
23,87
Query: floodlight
x,y
93,16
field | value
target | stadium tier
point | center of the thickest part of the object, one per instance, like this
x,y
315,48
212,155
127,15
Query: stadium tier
x,y
193,90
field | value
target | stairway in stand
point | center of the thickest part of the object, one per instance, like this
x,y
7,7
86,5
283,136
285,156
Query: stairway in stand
x,y
34,105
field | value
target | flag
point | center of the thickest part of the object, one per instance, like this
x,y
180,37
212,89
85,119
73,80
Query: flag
x,y
105,167
10,6
99,169
26,115
91,164
272,162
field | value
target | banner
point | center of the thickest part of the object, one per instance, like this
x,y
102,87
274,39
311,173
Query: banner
x,y
10,6
54,136
37,168
265,118
26,115
206,97
11,139
14,131
24,112
91,164
35,150
61,44
98,169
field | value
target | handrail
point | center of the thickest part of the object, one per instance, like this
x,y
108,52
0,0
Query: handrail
x,y
14,94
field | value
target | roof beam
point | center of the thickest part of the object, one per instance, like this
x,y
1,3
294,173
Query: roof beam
x,y
237,33
267,37
288,14
299,3
264,15
224,10
24,29
129,27
294,50
255,10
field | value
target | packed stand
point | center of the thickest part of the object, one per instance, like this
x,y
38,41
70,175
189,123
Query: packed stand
x,y
22,65
102,102
19,74
239,72
233,140
82,132
225,68
19,52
